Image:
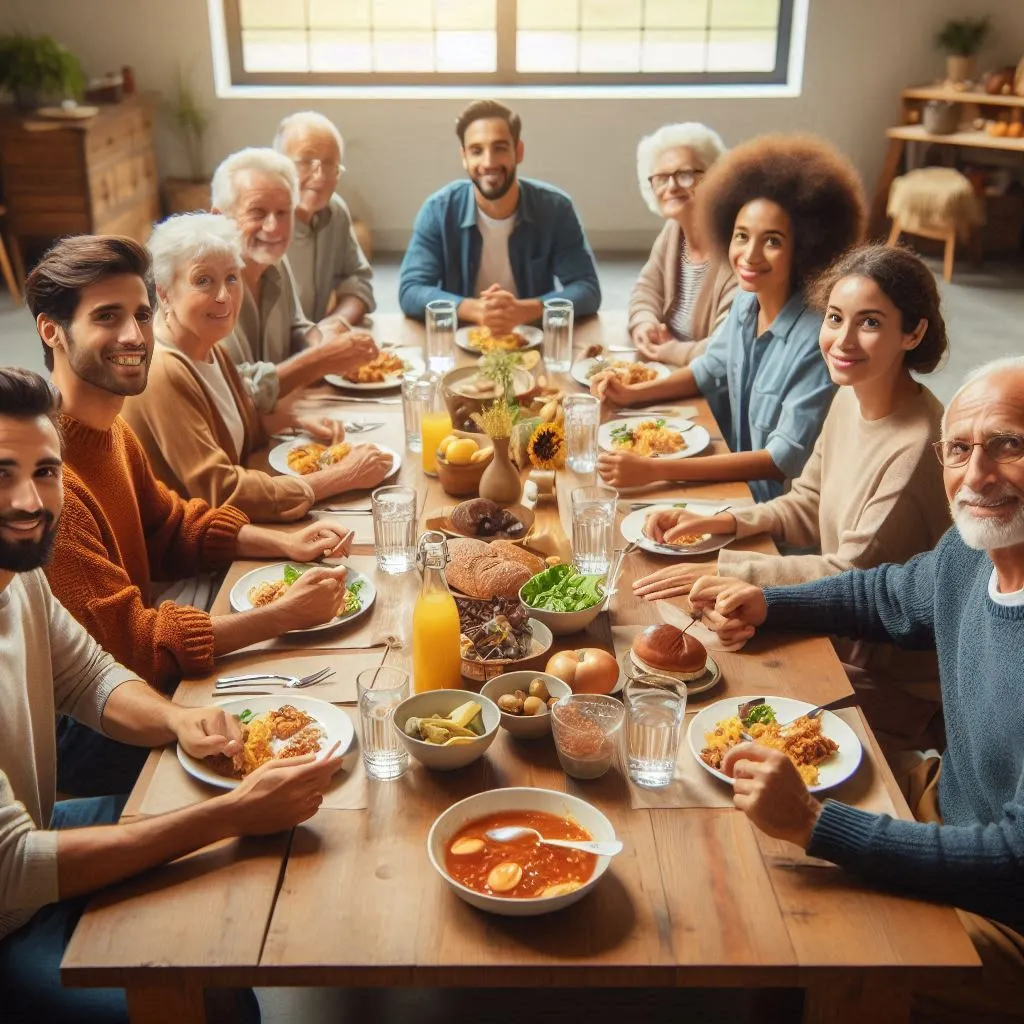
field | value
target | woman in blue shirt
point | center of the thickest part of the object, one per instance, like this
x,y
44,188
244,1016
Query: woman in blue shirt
x,y
783,207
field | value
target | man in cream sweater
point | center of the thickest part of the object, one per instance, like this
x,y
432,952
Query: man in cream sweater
x,y
53,854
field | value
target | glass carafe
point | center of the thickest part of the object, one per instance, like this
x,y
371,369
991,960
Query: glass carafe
x,y
436,656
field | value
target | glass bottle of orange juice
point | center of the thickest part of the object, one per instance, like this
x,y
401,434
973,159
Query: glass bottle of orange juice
x,y
436,657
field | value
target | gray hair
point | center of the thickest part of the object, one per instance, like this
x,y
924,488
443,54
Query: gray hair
x,y
704,141
224,192
307,119
1004,364
182,240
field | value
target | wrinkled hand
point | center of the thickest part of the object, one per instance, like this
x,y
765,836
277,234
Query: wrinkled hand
x,y
608,387
321,539
365,466
203,732
769,790
321,428
672,581
313,599
664,525
731,608
347,352
624,469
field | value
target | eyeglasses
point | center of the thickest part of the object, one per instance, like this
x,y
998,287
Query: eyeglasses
x,y
682,178
331,168
999,448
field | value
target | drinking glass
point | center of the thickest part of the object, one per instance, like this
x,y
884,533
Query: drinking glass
x,y
655,709
394,528
586,727
593,528
442,321
582,418
558,320
417,397
380,690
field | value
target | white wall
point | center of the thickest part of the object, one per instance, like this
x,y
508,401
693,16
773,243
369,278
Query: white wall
x,y
860,53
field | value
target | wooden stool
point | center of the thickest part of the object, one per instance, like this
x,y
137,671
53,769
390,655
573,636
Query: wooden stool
x,y
935,202
5,266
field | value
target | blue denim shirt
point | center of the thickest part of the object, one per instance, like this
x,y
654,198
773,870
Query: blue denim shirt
x,y
770,392
546,243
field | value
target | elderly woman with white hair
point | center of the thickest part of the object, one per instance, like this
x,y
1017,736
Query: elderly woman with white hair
x,y
682,293
332,274
196,419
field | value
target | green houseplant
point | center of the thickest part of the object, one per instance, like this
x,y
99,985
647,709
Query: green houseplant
x,y
36,67
190,121
961,40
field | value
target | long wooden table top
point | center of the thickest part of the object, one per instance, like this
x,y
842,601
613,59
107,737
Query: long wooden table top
x,y
699,896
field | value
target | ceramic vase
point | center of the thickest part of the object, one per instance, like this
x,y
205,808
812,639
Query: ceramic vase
x,y
500,482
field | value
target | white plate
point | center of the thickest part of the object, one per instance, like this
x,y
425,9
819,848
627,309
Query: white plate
x,y
533,336
711,678
278,456
239,596
838,768
579,370
335,723
696,437
414,366
632,527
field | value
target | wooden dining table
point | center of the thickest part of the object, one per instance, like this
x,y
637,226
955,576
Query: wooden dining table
x,y
698,898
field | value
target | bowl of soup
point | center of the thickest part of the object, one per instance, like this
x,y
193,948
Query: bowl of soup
x,y
522,878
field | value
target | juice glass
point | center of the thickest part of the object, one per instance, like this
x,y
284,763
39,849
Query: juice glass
x,y
434,427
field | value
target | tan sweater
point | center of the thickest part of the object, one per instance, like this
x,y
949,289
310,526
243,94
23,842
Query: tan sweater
x,y
190,447
654,293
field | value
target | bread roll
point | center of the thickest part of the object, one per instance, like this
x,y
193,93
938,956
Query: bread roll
x,y
669,651
477,571
517,554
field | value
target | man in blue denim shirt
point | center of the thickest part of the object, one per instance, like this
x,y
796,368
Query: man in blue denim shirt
x,y
495,244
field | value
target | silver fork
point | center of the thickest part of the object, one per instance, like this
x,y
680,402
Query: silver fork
x,y
361,426
291,682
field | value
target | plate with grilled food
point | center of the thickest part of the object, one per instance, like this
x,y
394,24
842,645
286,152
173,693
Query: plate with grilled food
x,y
382,373
629,371
654,438
301,455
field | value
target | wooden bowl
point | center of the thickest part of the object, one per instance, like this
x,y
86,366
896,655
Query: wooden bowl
x,y
461,406
461,481
482,671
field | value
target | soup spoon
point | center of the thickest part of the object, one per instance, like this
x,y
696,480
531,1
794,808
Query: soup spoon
x,y
510,833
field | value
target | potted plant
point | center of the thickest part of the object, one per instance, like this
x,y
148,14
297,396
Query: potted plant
x,y
190,121
961,40
34,68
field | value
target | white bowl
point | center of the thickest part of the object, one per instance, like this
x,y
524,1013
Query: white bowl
x,y
525,727
517,798
564,623
443,702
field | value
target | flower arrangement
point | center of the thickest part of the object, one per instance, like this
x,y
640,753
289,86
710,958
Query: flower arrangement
x,y
495,420
546,447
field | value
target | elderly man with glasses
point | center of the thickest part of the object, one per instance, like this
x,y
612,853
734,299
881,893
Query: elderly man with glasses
x,y
967,598
331,272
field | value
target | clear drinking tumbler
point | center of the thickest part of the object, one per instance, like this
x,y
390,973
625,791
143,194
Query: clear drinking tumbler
x,y
582,419
593,528
442,322
655,710
558,322
394,528
380,690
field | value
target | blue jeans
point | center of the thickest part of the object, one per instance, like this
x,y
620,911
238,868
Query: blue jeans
x,y
90,764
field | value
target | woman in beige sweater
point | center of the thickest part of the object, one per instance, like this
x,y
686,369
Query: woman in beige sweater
x,y
195,419
683,292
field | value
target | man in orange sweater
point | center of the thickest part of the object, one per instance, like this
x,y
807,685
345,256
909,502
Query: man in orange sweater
x,y
122,529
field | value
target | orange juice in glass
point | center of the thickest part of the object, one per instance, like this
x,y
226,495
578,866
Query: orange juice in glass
x,y
434,427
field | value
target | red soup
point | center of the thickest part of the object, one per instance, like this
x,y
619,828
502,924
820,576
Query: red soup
x,y
522,868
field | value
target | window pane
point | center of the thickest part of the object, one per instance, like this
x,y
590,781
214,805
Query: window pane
x,y
744,13
673,52
610,51
341,52
611,13
546,51
274,51
465,14
331,14
403,51
741,51
675,14
547,14
403,14
273,13
466,51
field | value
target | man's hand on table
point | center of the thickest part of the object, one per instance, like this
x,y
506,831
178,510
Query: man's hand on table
x,y
317,540
501,310
364,467
672,581
608,387
203,732
731,608
313,599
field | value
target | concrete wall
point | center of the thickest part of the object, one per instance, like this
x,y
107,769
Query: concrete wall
x,y
859,54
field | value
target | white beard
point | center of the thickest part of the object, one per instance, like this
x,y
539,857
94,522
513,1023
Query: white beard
x,y
989,533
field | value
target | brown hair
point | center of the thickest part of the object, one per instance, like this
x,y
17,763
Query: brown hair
x,y
907,283
478,110
819,189
55,286
26,395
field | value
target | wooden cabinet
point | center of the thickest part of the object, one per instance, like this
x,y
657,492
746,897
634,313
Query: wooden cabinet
x,y
96,176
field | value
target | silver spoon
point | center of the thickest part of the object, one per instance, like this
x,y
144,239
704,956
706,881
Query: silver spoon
x,y
510,833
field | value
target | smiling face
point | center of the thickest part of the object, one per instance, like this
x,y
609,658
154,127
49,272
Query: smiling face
x,y
205,297
30,491
761,249
263,212
673,198
490,156
862,336
317,158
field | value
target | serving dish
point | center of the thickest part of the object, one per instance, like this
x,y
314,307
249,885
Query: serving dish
x,y
444,702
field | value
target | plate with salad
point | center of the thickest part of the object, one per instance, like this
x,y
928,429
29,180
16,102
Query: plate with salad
x,y
268,583
565,600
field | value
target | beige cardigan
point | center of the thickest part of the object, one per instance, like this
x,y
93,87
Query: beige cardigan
x,y
654,293
191,449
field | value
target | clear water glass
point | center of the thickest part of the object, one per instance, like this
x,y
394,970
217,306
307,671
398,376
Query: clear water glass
x,y
655,711
557,322
380,690
417,398
442,321
394,528
582,419
593,528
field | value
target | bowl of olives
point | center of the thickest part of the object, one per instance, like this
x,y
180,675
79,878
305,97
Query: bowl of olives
x,y
524,699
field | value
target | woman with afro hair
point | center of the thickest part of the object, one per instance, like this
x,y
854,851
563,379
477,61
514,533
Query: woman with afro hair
x,y
783,207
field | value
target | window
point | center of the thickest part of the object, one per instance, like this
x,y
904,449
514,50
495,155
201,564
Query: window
x,y
508,42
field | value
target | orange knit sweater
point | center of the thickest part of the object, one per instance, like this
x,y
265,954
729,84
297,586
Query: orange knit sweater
x,y
120,530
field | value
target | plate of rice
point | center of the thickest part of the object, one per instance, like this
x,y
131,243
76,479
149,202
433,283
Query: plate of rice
x,y
302,455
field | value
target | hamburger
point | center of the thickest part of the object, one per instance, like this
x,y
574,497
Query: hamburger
x,y
667,651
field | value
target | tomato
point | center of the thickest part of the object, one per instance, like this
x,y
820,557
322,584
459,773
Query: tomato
x,y
587,670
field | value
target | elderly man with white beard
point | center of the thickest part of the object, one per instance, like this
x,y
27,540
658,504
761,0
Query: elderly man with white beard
x,y
967,598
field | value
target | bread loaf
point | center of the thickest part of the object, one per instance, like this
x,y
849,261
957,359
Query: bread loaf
x,y
527,559
477,571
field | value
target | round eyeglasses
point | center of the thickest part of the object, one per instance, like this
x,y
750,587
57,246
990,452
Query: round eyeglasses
x,y
999,448
684,178
330,168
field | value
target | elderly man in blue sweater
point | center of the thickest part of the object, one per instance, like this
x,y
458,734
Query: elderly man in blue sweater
x,y
967,598
497,245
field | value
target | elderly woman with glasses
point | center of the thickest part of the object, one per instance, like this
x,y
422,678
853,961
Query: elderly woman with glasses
x,y
196,419
683,292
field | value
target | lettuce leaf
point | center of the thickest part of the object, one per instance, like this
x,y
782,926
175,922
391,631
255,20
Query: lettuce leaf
x,y
562,589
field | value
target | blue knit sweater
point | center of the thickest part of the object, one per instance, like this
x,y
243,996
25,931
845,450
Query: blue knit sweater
x,y
976,859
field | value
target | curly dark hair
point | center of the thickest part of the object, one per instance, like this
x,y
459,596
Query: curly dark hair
x,y
907,283
816,185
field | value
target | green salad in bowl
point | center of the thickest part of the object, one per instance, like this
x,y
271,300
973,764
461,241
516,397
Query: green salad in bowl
x,y
565,600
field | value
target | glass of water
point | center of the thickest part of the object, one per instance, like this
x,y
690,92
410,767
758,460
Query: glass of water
x,y
394,528
442,321
655,710
557,322
593,528
582,419
417,398
380,690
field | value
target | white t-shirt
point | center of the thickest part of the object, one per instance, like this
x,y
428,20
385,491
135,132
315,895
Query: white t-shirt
x,y
218,389
1010,600
495,266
